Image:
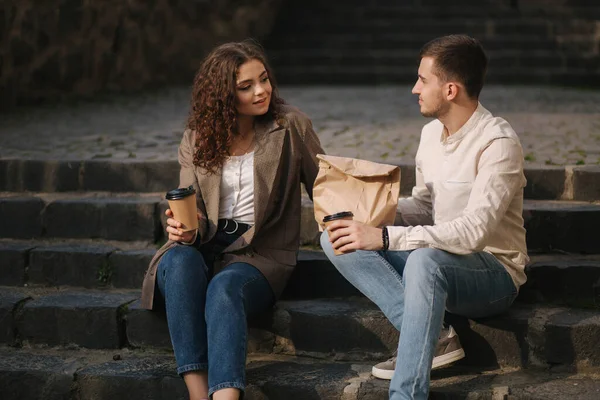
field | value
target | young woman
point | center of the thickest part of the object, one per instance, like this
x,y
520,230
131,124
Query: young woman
x,y
245,153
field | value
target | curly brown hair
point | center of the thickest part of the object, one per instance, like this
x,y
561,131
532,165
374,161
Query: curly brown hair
x,y
213,115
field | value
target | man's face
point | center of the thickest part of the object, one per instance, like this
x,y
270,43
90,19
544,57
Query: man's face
x,y
430,90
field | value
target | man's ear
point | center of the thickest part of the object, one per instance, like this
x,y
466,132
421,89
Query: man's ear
x,y
452,90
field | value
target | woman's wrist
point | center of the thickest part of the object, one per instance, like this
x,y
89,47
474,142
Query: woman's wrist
x,y
193,241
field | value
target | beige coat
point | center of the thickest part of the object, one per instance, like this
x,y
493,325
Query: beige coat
x,y
285,156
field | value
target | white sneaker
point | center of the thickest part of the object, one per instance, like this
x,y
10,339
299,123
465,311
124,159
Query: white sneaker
x,y
447,351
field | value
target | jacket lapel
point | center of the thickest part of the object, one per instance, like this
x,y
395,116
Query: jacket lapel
x,y
210,187
267,154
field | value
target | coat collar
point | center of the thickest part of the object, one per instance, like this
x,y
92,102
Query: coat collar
x,y
270,137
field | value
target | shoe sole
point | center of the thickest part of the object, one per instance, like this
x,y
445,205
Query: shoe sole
x,y
438,362
449,358
382,373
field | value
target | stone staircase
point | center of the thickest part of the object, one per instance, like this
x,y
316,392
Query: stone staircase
x,y
366,42
76,238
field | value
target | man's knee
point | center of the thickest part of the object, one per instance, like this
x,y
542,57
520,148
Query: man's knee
x,y
421,264
326,244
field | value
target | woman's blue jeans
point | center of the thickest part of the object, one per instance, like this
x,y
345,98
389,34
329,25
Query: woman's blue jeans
x,y
413,289
207,316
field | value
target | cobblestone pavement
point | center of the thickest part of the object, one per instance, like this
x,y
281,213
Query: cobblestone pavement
x,y
556,125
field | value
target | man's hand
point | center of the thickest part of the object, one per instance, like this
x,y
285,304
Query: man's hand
x,y
346,235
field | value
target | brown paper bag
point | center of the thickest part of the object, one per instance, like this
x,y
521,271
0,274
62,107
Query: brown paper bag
x,y
370,190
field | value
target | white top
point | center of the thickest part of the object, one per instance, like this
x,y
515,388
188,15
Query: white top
x,y
237,189
468,195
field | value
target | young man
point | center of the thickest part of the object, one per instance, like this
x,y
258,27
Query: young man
x,y
462,247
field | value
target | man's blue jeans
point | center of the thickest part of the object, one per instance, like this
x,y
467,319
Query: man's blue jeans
x,y
413,289
207,317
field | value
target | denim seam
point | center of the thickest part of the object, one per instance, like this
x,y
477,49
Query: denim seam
x,y
247,283
244,342
428,329
226,385
192,367
501,272
503,298
390,267
481,263
460,266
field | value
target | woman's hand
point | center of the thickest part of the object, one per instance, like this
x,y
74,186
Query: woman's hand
x,y
175,233
346,235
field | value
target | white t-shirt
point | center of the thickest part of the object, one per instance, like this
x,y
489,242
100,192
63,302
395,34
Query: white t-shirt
x,y
237,189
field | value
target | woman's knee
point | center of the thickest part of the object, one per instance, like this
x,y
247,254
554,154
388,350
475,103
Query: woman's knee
x,y
183,262
223,283
225,290
239,286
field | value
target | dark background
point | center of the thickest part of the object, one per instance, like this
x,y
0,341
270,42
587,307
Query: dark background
x,y
58,49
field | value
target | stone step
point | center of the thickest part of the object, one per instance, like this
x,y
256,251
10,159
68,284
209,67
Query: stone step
x,y
330,23
86,318
380,9
439,8
324,11
561,226
495,24
401,64
336,329
354,329
392,74
82,216
350,329
121,265
391,41
569,280
28,374
291,13
551,225
85,263
47,176
18,175
344,56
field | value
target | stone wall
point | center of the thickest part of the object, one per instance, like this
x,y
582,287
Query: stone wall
x,y
376,41
55,48
574,24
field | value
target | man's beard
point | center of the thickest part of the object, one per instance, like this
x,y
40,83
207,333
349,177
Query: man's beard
x,y
440,110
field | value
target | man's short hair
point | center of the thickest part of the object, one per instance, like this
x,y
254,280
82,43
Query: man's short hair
x,y
460,58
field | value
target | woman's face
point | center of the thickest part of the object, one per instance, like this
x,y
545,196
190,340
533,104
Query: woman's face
x,y
253,89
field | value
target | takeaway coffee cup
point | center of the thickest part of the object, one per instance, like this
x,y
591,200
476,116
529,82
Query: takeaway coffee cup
x,y
183,204
328,219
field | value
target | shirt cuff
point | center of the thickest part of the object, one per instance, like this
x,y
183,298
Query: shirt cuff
x,y
397,236
193,240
